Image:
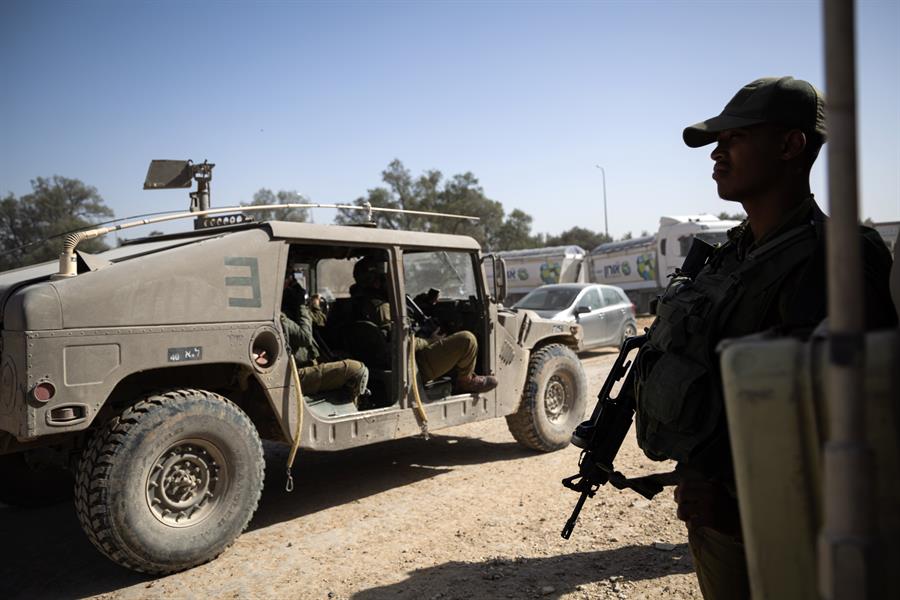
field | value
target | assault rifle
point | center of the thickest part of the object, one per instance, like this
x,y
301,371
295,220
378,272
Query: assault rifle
x,y
601,437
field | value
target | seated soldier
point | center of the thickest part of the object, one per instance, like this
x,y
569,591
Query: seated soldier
x,y
316,311
434,359
428,300
351,375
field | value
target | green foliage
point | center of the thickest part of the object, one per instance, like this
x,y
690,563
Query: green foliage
x,y
430,192
729,217
55,206
266,197
577,236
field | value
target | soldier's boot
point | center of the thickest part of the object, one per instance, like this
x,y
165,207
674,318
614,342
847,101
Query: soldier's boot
x,y
476,383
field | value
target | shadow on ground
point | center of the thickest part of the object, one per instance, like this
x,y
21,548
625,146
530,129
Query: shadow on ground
x,y
325,479
606,351
46,554
532,577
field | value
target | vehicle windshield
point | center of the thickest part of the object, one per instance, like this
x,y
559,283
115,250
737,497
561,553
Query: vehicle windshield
x,y
548,299
450,272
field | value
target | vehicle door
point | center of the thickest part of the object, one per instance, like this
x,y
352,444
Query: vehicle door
x,y
615,312
442,285
589,314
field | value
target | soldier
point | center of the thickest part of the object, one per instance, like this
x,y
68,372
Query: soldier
x,y
315,310
351,375
428,300
434,359
769,274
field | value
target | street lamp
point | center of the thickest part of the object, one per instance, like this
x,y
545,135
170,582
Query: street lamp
x,y
605,219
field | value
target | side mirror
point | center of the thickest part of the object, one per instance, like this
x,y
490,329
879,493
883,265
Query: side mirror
x,y
499,279
580,310
496,276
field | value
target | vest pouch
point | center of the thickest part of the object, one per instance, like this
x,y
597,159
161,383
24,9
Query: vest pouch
x,y
673,391
673,405
681,314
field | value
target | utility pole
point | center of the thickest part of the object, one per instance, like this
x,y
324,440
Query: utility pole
x,y
605,219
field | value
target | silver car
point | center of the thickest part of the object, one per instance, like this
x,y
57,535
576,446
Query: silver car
x,y
605,313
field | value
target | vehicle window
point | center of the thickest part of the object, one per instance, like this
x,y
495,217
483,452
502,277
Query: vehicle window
x,y
623,296
610,297
450,272
334,276
591,300
684,244
662,246
548,298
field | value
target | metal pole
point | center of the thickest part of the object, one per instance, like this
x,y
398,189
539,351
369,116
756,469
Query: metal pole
x,y
605,220
845,540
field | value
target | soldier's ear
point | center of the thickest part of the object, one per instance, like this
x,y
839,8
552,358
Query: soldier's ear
x,y
793,144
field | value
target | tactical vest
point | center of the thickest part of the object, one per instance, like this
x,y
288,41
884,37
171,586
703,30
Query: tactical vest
x,y
677,383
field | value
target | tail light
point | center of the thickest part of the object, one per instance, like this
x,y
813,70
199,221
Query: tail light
x,y
633,309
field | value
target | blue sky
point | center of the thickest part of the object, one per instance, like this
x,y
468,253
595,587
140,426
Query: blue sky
x,y
319,97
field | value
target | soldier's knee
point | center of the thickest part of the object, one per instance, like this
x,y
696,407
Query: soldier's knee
x,y
468,339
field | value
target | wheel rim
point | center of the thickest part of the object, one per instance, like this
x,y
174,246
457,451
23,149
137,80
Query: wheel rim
x,y
558,398
630,331
187,483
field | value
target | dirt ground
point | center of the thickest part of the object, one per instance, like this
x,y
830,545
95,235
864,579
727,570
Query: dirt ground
x,y
468,514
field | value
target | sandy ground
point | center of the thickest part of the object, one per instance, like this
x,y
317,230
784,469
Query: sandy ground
x,y
468,514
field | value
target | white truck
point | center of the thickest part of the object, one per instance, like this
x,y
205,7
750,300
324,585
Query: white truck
x,y
889,231
641,266
534,267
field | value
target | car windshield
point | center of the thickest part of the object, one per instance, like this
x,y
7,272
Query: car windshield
x,y
548,299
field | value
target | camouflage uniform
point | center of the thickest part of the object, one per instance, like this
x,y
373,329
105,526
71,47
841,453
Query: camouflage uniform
x,y
316,377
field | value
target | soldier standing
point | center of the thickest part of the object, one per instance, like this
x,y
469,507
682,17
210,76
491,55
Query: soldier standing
x,y
769,274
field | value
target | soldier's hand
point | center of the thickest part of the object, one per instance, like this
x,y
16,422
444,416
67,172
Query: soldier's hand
x,y
695,499
704,503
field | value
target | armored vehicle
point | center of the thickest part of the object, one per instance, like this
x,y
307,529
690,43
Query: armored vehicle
x,y
138,370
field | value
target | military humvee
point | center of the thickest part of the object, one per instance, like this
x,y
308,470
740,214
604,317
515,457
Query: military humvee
x,y
135,368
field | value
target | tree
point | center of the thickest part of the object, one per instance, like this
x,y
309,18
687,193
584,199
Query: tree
x,y
30,225
578,236
735,217
430,192
265,197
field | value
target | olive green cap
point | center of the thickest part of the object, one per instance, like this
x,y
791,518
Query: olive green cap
x,y
782,100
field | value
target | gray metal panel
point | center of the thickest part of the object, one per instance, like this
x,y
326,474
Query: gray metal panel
x,y
85,365
223,279
368,236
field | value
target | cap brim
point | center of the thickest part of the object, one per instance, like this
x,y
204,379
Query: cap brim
x,y
707,131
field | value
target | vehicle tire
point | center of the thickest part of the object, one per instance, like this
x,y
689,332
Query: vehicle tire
x,y
171,482
630,330
26,487
553,401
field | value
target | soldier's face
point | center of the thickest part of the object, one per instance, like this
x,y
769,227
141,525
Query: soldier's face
x,y
747,161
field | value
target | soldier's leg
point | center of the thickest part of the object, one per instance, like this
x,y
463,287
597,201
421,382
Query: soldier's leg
x,y
457,351
720,563
349,374
311,379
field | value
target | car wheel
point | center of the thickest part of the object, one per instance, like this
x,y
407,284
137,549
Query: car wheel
x,y
171,482
553,402
630,330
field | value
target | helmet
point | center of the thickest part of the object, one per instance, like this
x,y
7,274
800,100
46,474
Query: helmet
x,y
368,270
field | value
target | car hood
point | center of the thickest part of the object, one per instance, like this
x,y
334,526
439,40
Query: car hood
x,y
553,314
